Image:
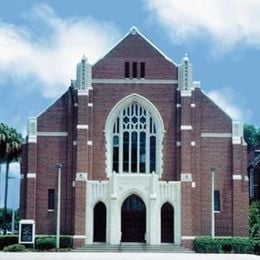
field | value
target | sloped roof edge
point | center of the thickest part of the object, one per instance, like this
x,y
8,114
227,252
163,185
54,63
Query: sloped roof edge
x,y
135,30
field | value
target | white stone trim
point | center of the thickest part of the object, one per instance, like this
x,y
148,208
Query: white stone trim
x,y
196,84
148,41
75,104
193,143
236,140
186,127
82,92
186,177
52,134
178,143
79,237
32,139
246,178
82,126
90,104
81,176
32,130
186,93
90,143
134,81
193,184
158,122
113,193
188,237
31,175
237,177
217,135
178,105
193,105
75,143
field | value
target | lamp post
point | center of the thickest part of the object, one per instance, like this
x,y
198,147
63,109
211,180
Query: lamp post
x,y
13,215
212,170
58,168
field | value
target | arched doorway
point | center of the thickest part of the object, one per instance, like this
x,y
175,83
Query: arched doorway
x,y
167,223
133,220
100,222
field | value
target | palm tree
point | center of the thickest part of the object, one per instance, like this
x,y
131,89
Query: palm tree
x,y
10,151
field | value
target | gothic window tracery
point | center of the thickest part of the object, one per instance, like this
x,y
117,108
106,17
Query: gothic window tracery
x,y
134,140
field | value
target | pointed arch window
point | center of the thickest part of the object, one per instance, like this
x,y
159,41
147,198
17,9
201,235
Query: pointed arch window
x,y
134,140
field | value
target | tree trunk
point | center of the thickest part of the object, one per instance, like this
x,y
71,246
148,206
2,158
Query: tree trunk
x,y
5,198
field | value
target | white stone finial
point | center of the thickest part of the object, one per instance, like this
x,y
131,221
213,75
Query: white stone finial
x,y
134,30
84,58
185,58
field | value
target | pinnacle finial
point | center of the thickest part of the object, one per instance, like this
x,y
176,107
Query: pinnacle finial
x,y
185,58
133,30
84,57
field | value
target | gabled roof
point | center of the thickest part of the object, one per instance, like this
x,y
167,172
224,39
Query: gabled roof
x,y
134,31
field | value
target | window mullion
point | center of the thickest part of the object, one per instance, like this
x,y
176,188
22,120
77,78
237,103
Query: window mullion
x,y
130,151
138,150
147,144
121,141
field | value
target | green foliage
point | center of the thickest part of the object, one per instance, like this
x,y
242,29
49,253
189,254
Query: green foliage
x,y
15,248
242,246
218,245
206,245
226,246
49,242
45,243
254,219
251,135
10,144
7,240
66,242
256,244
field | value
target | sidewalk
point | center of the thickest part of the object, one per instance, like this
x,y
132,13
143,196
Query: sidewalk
x,y
122,256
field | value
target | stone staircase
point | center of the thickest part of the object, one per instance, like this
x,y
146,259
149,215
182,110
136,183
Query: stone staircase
x,y
133,247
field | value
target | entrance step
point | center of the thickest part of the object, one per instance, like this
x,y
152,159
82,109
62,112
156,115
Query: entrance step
x,y
125,247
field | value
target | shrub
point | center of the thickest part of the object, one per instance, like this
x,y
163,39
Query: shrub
x,y
45,243
217,245
226,246
256,244
49,242
15,248
254,219
206,245
7,240
66,242
242,246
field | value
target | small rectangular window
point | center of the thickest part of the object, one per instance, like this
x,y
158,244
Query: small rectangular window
x,y
51,198
127,70
134,69
217,200
142,70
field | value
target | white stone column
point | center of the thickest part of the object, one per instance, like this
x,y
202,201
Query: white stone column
x,y
153,215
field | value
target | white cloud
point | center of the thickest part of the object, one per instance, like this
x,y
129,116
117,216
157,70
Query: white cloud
x,y
232,103
225,23
46,50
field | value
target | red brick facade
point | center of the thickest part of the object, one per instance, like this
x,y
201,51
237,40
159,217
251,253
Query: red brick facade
x,y
71,132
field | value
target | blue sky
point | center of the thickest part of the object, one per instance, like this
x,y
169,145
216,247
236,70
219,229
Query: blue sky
x,y
41,42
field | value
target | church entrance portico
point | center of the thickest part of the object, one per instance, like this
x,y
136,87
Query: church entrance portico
x,y
139,208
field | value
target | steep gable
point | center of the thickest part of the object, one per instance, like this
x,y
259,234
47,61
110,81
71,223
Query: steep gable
x,y
134,47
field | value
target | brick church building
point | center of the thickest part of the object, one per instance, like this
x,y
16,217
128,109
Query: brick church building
x,y
137,140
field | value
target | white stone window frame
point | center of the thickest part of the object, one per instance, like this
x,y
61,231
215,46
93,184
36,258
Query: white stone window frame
x,y
149,106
